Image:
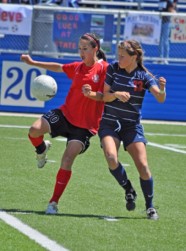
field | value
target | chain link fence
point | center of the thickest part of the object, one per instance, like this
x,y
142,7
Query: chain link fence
x,y
41,41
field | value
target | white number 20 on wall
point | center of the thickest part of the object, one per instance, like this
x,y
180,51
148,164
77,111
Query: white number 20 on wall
x,y
15,85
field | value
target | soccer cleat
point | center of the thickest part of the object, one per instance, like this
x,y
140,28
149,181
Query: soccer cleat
x,y
42,158
152,214
52,208
130,197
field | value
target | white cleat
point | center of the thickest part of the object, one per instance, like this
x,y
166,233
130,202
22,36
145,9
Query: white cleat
x,y
52,208
42,158
152,214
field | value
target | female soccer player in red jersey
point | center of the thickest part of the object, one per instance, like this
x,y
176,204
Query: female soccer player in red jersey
x,y
125,85
78,118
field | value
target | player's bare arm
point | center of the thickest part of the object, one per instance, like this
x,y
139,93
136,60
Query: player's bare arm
x,y
51,66
110,96
159,92
87,91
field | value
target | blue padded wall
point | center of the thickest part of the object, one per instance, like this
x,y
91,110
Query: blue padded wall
x,y
173,109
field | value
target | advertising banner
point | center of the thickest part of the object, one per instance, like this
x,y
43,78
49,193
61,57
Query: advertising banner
x,y
143,28
178,31
15,19
68,27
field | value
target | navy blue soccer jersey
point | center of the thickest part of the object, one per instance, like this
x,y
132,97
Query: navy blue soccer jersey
x,y
136,83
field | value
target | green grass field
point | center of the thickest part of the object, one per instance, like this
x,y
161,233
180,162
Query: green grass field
x,y
92,214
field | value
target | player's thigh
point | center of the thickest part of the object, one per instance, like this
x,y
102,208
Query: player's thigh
x,y
72,150
137,150
110,145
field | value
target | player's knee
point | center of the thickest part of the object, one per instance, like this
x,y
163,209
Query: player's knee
x,y
144,172
111,159
34,132
67,161
85,147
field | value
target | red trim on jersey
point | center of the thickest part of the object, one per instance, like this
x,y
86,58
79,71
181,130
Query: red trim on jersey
x,y
78,109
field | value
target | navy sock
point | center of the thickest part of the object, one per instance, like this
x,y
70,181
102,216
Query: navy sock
x,y
41,148
147,188
120,175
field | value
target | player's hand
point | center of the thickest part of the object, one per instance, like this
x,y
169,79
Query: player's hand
x,y
26,58
86,90
123,96
162,83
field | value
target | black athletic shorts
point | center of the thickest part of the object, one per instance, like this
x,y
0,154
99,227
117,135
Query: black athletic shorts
x,y
60,126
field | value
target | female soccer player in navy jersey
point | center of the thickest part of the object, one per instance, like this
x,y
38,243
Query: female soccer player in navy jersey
x,y
126,83
78,118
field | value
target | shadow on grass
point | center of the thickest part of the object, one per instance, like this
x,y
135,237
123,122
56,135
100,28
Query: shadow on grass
x,y
100,217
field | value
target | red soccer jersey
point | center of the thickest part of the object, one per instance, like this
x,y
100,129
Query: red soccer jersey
x,y
79,110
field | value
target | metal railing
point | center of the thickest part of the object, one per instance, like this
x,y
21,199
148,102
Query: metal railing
x,y
137,4
41,40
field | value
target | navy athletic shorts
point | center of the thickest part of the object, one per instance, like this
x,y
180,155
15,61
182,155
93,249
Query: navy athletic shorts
x,y
60,126
127,133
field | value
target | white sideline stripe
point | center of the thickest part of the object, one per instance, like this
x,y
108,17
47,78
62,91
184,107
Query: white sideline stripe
x,y
150,143
167,147
61,139
11,114
145,121
165,134
146,133
14,126
33,234
176,145
110,219
163,122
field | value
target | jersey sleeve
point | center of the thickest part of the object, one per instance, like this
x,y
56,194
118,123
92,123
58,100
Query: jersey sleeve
x,y
70,69
150,81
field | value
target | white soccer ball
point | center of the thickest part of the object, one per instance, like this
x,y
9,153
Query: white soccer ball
x,y
44,87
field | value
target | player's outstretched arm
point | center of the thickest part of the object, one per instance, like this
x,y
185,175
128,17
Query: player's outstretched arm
x,y
51,66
